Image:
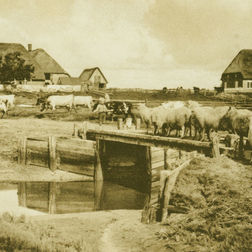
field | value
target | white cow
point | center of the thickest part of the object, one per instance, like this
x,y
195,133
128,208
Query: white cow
x,y
60,101
83,101
9,98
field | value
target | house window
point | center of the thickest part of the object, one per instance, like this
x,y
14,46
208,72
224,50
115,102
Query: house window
x,y
240,84
249,84
101,85
230,84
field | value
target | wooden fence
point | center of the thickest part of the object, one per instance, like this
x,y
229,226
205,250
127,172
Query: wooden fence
x,y
66,154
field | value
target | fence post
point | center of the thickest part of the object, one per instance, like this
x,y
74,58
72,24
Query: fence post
x,y
120,123
215,146
84,127
52,153
166,165
75,131
22,150
138,123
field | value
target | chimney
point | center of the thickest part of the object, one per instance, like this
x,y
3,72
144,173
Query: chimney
x,y
29,47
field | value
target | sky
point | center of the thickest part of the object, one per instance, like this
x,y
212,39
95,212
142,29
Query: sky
x,y
136,43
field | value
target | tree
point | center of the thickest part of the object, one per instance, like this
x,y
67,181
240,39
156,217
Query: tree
x,y
13,67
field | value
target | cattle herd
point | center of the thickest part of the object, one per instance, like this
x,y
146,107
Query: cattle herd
x,y
187,118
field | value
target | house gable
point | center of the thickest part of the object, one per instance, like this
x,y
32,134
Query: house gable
x,y
88,75
242,63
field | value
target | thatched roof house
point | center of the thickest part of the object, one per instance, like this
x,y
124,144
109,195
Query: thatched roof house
x,y
6,48
45,67
50,67
94,78
237,77
46,62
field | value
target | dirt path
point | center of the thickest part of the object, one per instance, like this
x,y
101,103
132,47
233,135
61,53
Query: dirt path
x,y
107,243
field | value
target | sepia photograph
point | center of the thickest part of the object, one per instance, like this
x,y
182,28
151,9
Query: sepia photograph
x,y
126,125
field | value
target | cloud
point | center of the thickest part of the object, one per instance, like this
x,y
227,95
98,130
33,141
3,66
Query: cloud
x,y
205,34
136,43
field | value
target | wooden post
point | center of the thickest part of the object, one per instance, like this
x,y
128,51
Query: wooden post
x,y
120,123
52,153
215,147
149,213
138,123
52,198
98,189
166,165
22,194
75,131
98,169
166,198
84,127
22,150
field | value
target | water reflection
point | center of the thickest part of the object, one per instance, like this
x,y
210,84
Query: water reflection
x,y
74,197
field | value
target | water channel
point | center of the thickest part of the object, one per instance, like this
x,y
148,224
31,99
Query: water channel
x,y
35,198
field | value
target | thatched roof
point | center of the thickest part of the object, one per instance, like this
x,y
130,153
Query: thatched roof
x,y
69,81
242,63
6,48
46,62
87,73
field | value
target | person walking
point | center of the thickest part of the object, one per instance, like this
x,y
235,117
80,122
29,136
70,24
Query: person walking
x,y
102,111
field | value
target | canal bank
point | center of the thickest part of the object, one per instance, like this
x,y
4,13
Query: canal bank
x,y
218,194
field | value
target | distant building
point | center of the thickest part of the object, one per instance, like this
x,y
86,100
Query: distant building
x,y
46,69
237,77
94,78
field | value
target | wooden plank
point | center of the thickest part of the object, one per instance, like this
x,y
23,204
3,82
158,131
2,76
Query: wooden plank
x,y
85,169
168,180
76,154
22,150
75,143
52,198
38,158
155,177
157,165
22,194
155,184
156,158
98,167
149,140
52,153
42,139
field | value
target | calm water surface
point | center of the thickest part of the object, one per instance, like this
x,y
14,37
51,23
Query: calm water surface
x,y
36,198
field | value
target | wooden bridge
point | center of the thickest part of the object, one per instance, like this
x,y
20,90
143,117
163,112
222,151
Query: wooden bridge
x,y
132,159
